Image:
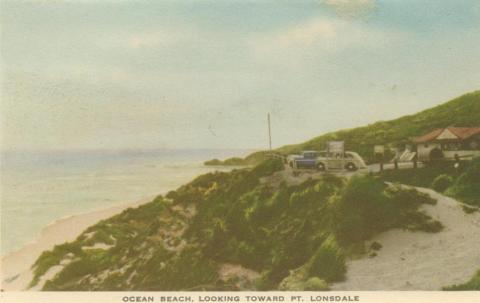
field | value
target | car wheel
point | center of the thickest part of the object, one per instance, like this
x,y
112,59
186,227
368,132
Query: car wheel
x,y
351,167
320,166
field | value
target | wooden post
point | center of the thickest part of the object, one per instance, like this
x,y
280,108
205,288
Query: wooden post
x,y
269,132
379,151
457,164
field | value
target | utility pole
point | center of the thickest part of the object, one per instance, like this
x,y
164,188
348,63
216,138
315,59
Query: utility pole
x,y
269,132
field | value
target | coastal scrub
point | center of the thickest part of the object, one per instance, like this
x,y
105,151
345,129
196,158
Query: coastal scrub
x,y
296,237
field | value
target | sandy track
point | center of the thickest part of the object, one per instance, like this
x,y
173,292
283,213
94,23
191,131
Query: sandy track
x,y
419,260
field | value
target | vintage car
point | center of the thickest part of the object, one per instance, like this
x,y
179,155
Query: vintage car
x,y
326,161
308,159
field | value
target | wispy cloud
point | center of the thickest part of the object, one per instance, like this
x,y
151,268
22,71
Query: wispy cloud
x,y
313,33
308,33
319,37
163,73
351,8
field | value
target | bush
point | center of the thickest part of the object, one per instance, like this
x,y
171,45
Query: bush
x,y
328,262
473,284
51,258
213,162
361,210
367,206
268,167
298,280
234,161
376,246
315,283
467,185
423,176
442,182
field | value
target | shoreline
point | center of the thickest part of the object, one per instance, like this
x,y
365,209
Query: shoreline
x,y
15,266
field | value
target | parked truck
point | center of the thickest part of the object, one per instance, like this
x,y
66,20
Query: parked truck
x,y
323,160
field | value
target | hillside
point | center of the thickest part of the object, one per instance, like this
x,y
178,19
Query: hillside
x,y
461,111
235,231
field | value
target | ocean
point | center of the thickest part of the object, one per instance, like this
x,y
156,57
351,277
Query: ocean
x,y
38,188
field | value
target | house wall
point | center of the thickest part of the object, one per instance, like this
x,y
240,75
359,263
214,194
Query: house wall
x,y
475,142
424,149
469,149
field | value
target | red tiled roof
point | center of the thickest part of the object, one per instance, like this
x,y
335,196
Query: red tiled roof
x,y
428,137
461,132
464,132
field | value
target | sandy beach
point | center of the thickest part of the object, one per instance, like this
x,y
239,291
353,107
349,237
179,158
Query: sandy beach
x,y
15,267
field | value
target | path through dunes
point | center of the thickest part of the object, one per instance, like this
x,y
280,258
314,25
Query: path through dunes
x,y
419,260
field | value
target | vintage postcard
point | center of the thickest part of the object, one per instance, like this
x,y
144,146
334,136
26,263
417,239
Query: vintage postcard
x,y
240,151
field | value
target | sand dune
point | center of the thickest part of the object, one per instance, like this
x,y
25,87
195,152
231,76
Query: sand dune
x,y
419,260
407,260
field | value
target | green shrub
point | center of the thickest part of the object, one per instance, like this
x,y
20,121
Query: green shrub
x,y
473,284
93,261
423,176
442,182
440,176
299,280
376,246
467,185
469,209
328,262
367,206
268,167
186,270
252,159
213,162
295,281
361,210
51,258
234,161
316,284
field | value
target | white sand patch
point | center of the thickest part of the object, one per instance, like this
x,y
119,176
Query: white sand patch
x,y
50,274
89,235
228,270
244,277
419,260
98,246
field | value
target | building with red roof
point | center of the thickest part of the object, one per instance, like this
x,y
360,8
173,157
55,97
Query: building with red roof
x,y
449,143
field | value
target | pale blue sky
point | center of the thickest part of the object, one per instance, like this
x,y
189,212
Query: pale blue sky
x,y
203,74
